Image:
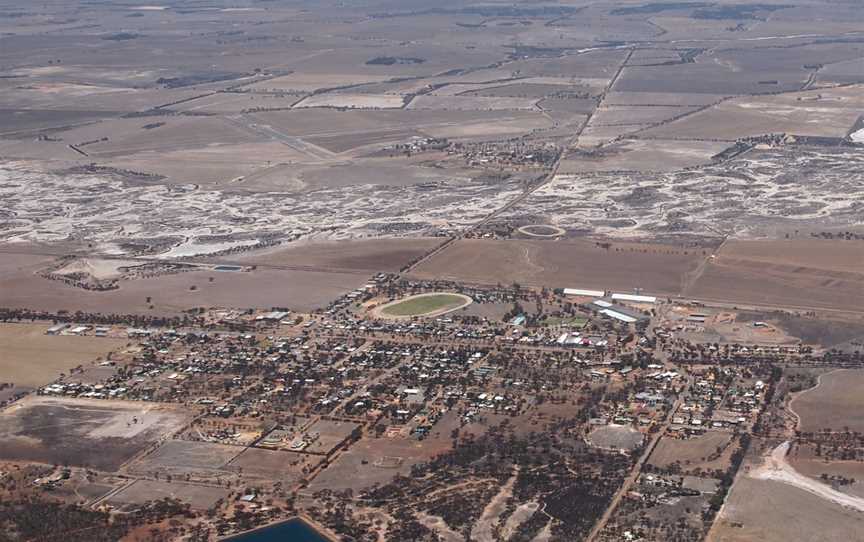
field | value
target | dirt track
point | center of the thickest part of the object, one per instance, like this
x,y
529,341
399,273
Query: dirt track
x,y
778,469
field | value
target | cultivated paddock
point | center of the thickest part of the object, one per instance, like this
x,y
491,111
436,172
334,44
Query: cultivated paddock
x,y
29,358
171,294
579,263
806,274
771,511
362,255
836,402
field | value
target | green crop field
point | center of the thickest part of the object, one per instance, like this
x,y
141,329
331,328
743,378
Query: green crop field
x,y
424,305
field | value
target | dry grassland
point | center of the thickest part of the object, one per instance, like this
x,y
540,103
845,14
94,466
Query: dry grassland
x,y
691,453
200,497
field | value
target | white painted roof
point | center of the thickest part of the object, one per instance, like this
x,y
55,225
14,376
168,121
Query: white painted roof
x,y
586,293
618,316
635,298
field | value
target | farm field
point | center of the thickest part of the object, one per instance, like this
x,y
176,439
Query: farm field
x,y
644,155
835,403
172,294
816,467
29,358
352,101
798,273
775,512
654,268
843,256
826,113
387,255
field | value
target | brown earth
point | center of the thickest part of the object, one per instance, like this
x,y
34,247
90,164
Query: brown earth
x,y
691,453
804,274
573,263
369,255
769,511
171,294
361,466
821,254
836,402
65,431
29,358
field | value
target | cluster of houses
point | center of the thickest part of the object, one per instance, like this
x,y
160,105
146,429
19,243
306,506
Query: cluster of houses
x,y
721,398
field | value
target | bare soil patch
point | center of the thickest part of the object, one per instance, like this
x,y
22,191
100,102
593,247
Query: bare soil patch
x,y
616,437
272,465
181,457
67,431
200,497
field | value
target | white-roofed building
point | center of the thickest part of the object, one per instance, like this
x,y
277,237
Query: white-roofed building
x,y
635,298
618,316
584,293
